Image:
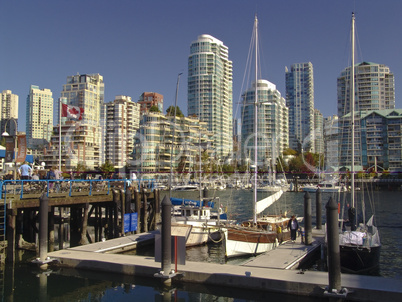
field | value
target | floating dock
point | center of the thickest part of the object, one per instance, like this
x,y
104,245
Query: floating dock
x,y
253,275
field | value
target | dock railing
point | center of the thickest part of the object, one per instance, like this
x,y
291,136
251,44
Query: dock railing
x,y
69,187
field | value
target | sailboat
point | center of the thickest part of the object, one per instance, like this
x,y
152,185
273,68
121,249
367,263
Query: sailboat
x,y
360,244
258,235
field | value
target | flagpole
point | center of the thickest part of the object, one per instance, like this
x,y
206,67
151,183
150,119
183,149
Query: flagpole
x,y
60,134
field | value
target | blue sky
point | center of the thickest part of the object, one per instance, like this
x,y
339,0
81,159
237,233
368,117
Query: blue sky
x,y
141,46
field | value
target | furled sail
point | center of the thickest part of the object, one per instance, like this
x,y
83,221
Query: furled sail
x,y
266,202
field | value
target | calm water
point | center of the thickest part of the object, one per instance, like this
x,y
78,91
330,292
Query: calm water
x,y
29,284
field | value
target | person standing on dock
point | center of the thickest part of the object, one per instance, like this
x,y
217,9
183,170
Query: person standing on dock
x,y
25,171
293,226
58,176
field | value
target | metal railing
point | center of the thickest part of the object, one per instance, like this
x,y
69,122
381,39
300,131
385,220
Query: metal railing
x,y
68,186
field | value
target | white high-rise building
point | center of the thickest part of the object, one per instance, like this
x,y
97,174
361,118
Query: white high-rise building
x,y
210,90
331,143
39,117
318,132
374,88
8,110
87,91
122,122
272,119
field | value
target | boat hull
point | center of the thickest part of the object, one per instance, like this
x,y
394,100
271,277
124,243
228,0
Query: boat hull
x,y
198,233
241,242
360,260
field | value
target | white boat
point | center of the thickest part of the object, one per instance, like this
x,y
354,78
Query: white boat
x,y
325,186
359,242
206,223
185,188
259,234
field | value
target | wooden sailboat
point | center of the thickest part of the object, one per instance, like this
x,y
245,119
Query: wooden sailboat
x,y
360,244
258,235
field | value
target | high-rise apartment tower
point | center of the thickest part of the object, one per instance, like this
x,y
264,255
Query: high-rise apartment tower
x,y
210,90
8,110
39,117
374,88
300,101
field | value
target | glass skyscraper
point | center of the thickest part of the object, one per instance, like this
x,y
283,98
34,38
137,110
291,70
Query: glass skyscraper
x,y
210,90
300,101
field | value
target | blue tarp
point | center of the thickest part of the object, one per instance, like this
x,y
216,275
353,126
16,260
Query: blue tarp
x,y
28,158
189,202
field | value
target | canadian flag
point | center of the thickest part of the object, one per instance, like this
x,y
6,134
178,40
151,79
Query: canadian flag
x,y
74,112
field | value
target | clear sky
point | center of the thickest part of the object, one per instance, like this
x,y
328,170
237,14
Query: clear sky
x,y
140,46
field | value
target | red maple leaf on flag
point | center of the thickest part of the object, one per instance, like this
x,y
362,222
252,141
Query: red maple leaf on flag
x,y
73,112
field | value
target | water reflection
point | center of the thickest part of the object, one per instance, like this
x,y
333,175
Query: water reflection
x,y
26,283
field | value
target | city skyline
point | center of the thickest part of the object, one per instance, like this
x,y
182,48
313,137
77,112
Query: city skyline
x,y
141,47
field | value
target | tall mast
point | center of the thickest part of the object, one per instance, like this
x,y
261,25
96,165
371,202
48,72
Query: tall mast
x,y
255,121
352,111
173,134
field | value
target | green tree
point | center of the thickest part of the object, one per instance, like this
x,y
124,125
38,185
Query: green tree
x,y
154,109
170,111
290,151
107,168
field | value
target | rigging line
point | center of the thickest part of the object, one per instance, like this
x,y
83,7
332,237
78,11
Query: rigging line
x,y
247,72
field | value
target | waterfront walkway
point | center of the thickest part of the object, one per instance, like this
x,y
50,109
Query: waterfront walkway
x,y
247,277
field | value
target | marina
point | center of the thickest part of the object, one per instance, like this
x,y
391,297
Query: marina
x,y
105,256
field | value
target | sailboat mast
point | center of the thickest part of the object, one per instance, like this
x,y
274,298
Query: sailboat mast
x,y
174,127
255,121
352,112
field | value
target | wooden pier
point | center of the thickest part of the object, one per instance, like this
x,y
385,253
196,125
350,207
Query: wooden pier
x,y
91,211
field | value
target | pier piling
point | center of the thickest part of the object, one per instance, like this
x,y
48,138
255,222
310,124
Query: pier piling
x,y
166,235
166,273
318,209
137,200
43,260
307,220
334,262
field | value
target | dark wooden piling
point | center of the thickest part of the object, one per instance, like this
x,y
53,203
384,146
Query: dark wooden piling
x,y
75,225
318,209
96,225
11,235
114,214
157,208
51,229
122,210
308,232
29,225
152,212
145,210
137,201
84,225
61,228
